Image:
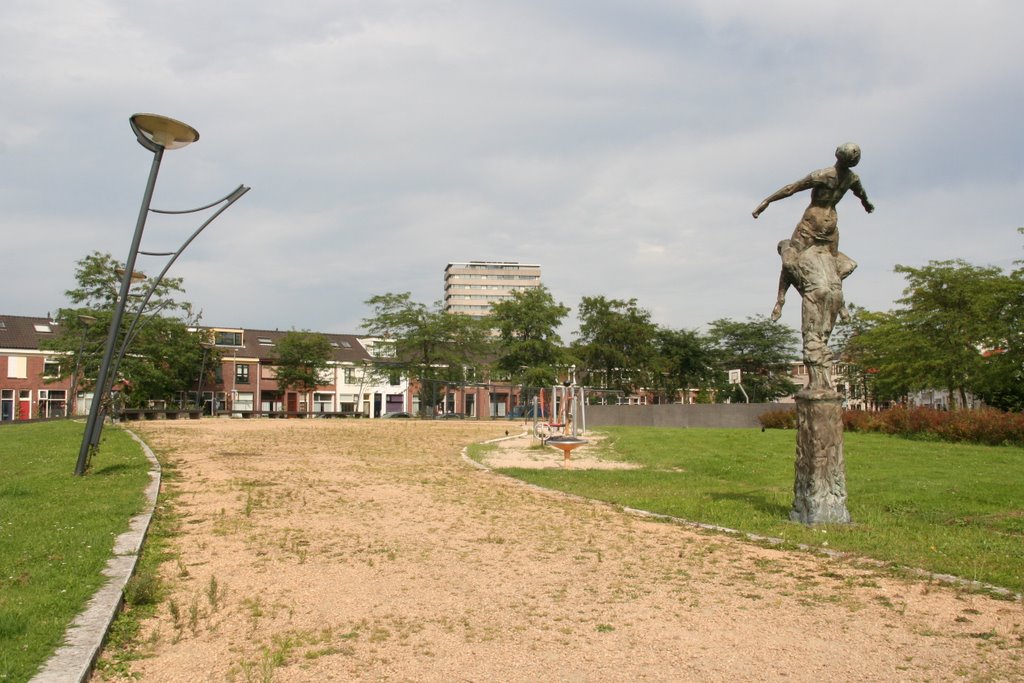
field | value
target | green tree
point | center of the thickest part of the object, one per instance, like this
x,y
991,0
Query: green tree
x,y
163,356
529,348
426,343
957,328
1002,384
762,349
616,343
859,370
303,359
683,360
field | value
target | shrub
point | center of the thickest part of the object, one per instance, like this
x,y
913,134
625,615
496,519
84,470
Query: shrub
x,y
778,419
986,426
859,421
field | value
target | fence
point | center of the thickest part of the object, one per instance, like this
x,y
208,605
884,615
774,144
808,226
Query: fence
x,y
718,415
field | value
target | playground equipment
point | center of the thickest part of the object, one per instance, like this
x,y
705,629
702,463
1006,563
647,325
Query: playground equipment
x,y
561,431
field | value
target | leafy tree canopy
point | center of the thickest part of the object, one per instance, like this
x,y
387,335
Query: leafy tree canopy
x,y
762,349
529,348
303,359
425,342
683,360
958,328
615,343
163,357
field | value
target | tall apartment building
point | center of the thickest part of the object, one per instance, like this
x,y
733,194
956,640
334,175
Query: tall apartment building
x,y
472,288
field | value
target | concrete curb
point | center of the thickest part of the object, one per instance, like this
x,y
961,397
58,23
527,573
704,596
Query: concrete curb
x,y
73,662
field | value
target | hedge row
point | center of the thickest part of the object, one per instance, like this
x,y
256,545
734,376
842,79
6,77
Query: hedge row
x,y
986,426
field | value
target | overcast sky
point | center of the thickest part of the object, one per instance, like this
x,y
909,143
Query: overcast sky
x,y
620,144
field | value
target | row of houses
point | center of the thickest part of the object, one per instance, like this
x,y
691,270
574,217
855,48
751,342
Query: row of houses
x,y
244,379
358,382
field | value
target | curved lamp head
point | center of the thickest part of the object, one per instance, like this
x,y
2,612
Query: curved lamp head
x,y
155,131
136,275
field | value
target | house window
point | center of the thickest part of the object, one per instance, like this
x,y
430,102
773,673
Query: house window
x,y
17,367
382,349
242,374
51,367
52,402
323,402
6,404
395,378
228,338
243,401
350,376
265,341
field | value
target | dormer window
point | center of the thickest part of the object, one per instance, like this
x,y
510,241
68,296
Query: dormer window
x,y
224,338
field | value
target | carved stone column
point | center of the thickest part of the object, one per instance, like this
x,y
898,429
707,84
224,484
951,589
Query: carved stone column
x,y
819,489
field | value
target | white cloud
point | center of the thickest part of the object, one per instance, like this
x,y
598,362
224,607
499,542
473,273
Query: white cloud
x,y
622,145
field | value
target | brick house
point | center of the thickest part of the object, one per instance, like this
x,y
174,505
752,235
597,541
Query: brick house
x,y
28,385
357,381
244,380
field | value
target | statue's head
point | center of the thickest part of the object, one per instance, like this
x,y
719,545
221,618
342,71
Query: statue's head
x,y
848,153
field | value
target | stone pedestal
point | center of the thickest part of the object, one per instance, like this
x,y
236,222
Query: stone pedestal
x,y
819,490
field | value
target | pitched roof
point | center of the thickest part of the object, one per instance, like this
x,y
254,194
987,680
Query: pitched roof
x,y
347,348
24,332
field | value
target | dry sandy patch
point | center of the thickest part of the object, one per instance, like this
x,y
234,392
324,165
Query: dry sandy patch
x,y
350,550
527,452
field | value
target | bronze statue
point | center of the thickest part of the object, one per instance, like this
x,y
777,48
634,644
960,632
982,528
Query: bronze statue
x,y
811,260
813,264
819,224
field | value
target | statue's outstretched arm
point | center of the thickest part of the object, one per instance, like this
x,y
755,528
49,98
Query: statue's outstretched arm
x,y
858,191
787,191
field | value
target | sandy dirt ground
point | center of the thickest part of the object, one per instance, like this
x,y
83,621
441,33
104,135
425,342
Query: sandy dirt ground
x,y
348,550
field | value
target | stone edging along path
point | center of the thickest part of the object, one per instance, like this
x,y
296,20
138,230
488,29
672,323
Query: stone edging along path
x,y
755,538
74,660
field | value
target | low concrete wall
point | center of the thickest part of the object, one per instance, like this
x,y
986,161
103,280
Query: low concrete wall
x,y
719,415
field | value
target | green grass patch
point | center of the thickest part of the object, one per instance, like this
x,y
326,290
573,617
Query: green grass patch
x,y
57,532
478,451
943,507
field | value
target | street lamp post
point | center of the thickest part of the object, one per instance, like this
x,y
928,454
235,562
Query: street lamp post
x,y
134,327
115,365
155,133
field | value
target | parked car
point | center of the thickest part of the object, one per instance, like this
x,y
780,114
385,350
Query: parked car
x,y
398,414
451,416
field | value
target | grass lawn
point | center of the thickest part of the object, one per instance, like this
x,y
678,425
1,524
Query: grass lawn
x,y
947,508
57,532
